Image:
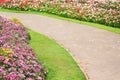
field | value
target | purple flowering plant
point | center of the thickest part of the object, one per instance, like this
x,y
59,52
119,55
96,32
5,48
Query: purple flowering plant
x,y
17,59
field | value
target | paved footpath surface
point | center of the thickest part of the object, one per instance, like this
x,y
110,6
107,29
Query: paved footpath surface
x,y
96,51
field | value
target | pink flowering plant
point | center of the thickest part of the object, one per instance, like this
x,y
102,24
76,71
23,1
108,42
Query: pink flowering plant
x,y
102,12
17,59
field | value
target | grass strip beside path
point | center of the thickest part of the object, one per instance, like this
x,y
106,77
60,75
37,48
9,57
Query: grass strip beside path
x,y
59,63
108,28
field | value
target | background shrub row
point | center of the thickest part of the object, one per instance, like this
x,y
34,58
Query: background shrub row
x,y
107,13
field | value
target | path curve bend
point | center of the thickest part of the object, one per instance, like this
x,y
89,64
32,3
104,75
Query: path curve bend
x,y
96,50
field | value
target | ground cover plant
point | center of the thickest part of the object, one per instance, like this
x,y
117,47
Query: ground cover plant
x,y
17,59
106,13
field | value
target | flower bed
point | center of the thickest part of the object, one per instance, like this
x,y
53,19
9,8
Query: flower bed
x,y
106,13
17,59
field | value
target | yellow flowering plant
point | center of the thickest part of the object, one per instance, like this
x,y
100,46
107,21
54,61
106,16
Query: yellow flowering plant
x,y
5,52
16,21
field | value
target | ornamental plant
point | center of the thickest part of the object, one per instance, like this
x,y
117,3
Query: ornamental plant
x,y
105,12
17,59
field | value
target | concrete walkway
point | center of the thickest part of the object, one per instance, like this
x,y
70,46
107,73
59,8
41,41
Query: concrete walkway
x,y
96,51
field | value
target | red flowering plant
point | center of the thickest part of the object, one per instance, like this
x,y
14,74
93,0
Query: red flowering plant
x,y
106,13
17,59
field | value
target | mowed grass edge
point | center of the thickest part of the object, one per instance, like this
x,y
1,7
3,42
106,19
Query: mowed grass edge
x,y
58,62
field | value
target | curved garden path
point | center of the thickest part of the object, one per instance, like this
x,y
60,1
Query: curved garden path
x,y
96,51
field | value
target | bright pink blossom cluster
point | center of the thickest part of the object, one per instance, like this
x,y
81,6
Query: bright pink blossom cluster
x,y
23,64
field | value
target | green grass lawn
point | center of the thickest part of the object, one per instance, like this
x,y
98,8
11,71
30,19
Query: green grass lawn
x,y
108,28
58,62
